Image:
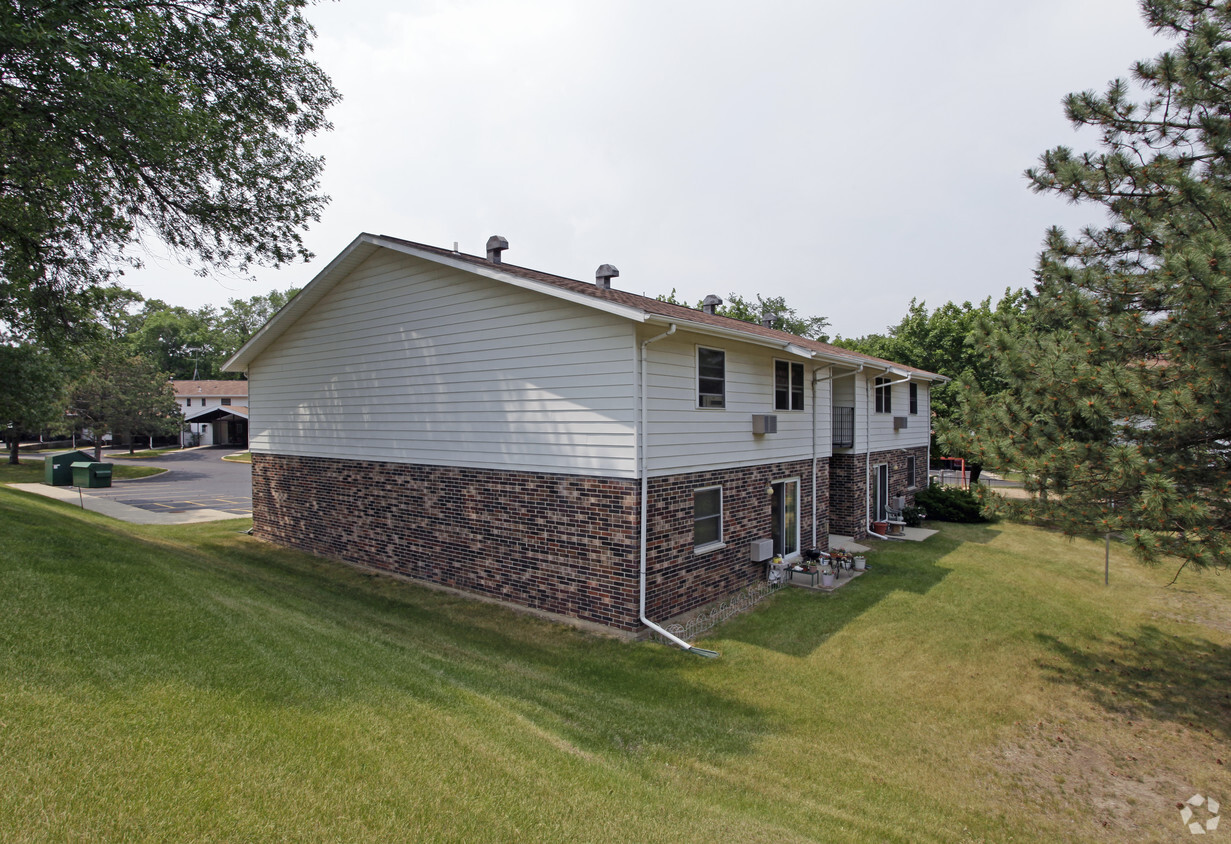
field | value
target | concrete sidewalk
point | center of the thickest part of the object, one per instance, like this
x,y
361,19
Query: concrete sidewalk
x,y
123,512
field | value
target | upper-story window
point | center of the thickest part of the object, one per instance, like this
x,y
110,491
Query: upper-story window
x,y
914,397
711,377
226,401
788,385
884,396
189,403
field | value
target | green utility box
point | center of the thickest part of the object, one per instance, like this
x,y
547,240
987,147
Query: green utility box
x,y
58,469
92,475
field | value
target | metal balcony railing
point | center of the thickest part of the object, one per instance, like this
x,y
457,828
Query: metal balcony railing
x,y
844,427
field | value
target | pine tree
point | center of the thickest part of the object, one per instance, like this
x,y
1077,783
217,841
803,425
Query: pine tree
x,y
1119,407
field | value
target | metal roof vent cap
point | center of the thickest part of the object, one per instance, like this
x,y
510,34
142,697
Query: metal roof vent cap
x,y
495,245
711,302
768,319
604,274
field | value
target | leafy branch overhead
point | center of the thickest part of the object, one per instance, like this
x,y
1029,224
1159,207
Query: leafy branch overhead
x,y
784,316
1118,408
183,121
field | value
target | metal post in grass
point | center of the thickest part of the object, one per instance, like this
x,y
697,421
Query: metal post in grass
x,y
1106,558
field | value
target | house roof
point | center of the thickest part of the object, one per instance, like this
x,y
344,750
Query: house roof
x,y
188,388
620,302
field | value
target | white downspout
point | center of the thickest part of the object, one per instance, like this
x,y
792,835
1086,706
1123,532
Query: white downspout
x,y
645,488
867,452
816,379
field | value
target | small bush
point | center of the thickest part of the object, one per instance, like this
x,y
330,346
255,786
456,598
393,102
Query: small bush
x,y
913,516
950,504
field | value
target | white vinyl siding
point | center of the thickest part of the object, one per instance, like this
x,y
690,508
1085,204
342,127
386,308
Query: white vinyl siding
x,y
685,438
408,361
857,390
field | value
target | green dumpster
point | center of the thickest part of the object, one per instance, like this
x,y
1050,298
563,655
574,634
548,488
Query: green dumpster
x,y
58,468
92,475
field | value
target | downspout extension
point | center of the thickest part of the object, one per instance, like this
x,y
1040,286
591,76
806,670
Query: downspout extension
x,y
645,487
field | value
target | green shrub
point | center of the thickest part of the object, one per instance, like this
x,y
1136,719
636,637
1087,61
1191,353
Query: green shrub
x,y
949,504
913,516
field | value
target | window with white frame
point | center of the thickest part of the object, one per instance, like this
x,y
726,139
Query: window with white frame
x,y
884,396
910,471
189,402
914,397
711,377
226,401
788,385
707,516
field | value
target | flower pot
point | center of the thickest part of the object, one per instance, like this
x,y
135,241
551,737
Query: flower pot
x,y
827,579
880,527
861,563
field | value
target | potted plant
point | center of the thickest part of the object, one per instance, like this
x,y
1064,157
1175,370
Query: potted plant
x,y
827,577
861,562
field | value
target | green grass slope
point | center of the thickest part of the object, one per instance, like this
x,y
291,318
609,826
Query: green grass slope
x,y
196,684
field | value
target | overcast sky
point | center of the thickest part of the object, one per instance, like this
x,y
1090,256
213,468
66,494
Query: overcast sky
x,y
847,156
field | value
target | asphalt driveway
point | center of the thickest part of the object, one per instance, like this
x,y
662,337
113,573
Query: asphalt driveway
x,y
196,479
197,486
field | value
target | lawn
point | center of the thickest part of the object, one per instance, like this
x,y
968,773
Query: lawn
x,y
193,683
241,457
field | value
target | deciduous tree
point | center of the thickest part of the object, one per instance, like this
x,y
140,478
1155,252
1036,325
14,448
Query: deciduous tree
x,y
183,120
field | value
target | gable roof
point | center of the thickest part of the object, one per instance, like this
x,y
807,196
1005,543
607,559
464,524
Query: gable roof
x,y
620,302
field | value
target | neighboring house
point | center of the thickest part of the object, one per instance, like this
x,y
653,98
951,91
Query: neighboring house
x,y
549,442
215,412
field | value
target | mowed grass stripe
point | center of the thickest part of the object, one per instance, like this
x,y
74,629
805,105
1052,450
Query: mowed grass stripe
x,y
193,683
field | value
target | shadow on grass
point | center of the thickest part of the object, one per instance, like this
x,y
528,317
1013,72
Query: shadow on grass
x,y
103,608
1182,679
799,621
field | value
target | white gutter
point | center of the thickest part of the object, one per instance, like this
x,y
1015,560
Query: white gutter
x,y
645,488
867,447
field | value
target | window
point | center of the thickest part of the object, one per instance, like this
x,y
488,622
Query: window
x,y
189,403
914,397
711,377
707,516
203,402
226,401
910,469
788,385
884,396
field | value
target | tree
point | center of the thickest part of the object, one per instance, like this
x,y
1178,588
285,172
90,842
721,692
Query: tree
x,y
785,317
944,341
31,392
126,395
1118,410
180,119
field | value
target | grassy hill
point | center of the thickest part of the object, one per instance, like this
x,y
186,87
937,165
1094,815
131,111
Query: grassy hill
x,y
193,683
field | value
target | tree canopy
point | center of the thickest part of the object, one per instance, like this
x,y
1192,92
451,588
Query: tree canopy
x,y
32,393
944,341
785,317
1118,408
183,120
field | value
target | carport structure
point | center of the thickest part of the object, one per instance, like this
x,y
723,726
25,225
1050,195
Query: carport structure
x,y
229,424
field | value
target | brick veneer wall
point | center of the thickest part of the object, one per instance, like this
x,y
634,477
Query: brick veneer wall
x,y
562,543
849,485
679,580
848,490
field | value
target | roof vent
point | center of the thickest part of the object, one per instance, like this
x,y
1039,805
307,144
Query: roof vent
x,y
495,245
604,274
768,319
711,302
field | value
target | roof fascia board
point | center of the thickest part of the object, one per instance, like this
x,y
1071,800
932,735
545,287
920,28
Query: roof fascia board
x,y
493,272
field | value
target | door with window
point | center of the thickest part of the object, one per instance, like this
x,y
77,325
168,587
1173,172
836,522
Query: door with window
x,y
784,512
881,500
